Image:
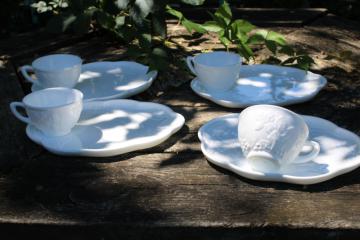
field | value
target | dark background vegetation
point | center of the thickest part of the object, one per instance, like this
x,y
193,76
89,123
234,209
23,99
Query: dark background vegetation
x,y
17,15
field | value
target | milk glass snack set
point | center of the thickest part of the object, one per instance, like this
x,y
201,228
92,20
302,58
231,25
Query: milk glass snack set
x,y
75,109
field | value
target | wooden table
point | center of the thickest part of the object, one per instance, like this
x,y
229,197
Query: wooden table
x,y
172,191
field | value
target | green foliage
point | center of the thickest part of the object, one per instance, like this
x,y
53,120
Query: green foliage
x,y
189,25
243,35
51,6
141,25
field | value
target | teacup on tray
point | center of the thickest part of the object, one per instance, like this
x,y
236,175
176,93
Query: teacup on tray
x,y
57,70
217,71
54,111
272,137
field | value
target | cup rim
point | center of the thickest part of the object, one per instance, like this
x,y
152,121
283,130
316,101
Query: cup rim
x,y
225,66
275,106
78,96
35,62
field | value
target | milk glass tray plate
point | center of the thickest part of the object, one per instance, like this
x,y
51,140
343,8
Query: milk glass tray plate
x,y
110,80
108,128
339,151
265,84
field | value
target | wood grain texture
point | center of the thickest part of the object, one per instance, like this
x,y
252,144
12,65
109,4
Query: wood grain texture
x,y
171,190
14,145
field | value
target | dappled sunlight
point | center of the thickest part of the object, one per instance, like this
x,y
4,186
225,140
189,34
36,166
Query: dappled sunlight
x,y
251,82
339,151
89,75
115,127
162,181
265,84
108,80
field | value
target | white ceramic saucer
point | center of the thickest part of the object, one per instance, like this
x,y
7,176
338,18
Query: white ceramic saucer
x,y
340,151
110,80
266,84
109,128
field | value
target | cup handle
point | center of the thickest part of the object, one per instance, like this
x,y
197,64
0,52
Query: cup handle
x,y
315,149
190,64
13,109
25,72
151,75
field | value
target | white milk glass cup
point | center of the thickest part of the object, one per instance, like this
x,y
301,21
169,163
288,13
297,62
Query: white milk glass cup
x,y
57,70
272,137
216,71
54,111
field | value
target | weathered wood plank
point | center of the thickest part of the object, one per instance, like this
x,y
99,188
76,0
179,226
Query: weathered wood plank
x,y
17,231
332,41
172,187
339,105
13,143
35,42
142,191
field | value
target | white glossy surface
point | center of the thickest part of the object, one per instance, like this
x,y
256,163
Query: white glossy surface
x,y
273,136
56,62
339,151
54,111
216,70
110,80
108,128
56,70
265,84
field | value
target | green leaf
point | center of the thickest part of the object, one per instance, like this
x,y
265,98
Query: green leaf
x,y
305,62
255,39
160,52
60,23
262,33
239,29
134,52
91,11
276,37
243,26
158,59
193,2
85,3
82,23
224,12
67,21
286,49
242,37
157,63
105,20
140,10
212,26
225,41
272,60
288,61
190,26
126,33
119,21
271,45
122,4
109,6
159,24
145,7
174,12
221,22
245,50
145,40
